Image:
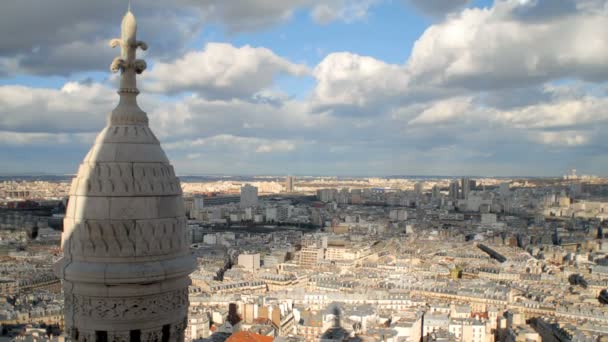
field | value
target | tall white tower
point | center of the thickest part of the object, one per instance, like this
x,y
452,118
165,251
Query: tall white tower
x,y
289,184
126,250
249,196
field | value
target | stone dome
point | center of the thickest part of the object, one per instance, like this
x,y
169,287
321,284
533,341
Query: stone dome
x,y
126,262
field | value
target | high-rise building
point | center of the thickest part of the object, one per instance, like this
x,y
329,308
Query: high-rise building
x,y
418,187
327,195
504,189
310,256
466,186
453,191
289,183
198,203
126,257
435,193
272,214
283,213
249,196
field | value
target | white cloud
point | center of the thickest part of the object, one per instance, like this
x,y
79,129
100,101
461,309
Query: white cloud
x,y
246,15
476,94
495,51
222,71
194,116
444,111
46,46
227,141
276,146
72,35
560,113
42,139
348,79
562,138
75,107
492,48
231,134
194,156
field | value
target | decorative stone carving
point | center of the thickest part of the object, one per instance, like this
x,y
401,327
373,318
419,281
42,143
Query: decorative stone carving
x,y
86,336
123,336
126,249
130,238
128,46
101,308
152,335
125,179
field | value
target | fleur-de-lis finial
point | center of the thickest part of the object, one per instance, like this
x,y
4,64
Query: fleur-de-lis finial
x,y
127,63
128,112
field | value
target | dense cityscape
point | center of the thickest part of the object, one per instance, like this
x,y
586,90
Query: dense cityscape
x,y
394,259
280,188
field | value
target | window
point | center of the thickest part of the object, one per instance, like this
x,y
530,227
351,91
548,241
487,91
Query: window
x,y
135,336
101,336
166,333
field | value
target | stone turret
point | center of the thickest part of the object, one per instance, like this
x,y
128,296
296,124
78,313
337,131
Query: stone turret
x,y
126,251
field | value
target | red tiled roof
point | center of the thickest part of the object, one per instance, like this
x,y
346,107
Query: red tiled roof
x,y
479,314
246,336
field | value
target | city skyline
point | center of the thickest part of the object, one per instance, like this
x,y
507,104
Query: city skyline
x,y
125,249
322,88
68,176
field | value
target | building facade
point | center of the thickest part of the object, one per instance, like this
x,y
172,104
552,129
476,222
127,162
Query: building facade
x,y
249,196
289,183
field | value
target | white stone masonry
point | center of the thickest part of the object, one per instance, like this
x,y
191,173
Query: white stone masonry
x,y
126,251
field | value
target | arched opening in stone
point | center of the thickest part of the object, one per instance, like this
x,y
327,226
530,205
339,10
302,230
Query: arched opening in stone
x,y
166,333
135,335
101,336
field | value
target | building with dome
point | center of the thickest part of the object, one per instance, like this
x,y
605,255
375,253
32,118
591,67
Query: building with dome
x,y
126,262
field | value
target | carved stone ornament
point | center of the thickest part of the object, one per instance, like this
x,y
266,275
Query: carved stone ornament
x,y
126,247
130,308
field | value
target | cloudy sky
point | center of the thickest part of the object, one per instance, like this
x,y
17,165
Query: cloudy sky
x,y
322,87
